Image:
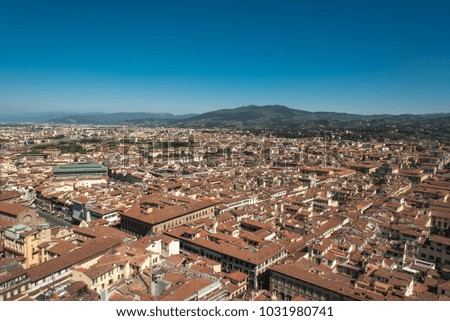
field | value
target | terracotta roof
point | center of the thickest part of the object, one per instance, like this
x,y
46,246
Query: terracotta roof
x,y
7,195
89,250
98,270
12,208
264,253
165,214
61,248
176,259
186,290
327,280
237,276
440,239
5,223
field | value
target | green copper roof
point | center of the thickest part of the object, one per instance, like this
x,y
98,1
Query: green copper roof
x,y
79,168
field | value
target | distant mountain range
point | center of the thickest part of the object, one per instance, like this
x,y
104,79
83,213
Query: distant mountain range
x,y
282,117
31,117
252,116
119,118
90,118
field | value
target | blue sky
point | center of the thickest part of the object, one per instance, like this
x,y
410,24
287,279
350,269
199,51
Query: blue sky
x,y
363,57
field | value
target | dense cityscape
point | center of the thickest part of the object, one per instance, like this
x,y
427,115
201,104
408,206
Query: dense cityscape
x,y
136,213
223,159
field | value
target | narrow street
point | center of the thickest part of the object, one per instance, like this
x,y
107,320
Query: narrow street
x,y
52,219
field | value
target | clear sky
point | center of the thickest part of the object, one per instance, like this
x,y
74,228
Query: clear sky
x,y
358,56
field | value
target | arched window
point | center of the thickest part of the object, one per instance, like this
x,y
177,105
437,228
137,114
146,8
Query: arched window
x,y
27,219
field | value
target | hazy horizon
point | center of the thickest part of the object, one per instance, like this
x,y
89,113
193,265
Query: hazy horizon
x,y
187,112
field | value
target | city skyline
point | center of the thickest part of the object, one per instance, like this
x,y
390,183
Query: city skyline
x,y
178,58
